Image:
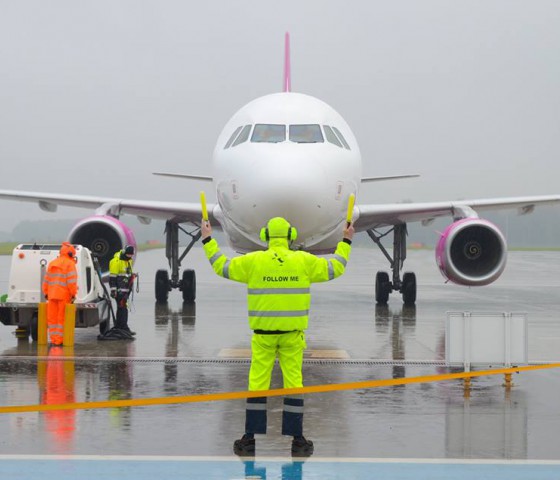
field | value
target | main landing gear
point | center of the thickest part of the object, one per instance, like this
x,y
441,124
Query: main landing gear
x,y
383,285
187,284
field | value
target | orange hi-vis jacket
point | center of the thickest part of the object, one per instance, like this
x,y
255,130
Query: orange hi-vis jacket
x,y
61,279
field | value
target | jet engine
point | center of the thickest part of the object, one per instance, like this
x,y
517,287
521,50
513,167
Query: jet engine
x,y
103,235
471,251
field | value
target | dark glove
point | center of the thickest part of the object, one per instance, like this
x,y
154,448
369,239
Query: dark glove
x,y
113,294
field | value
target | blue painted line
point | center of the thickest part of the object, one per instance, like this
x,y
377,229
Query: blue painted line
x,y
120,469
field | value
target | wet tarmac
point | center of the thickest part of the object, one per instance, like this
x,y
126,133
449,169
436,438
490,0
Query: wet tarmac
x,y
189,350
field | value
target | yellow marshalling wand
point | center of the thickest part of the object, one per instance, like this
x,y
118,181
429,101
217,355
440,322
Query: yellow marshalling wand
x,y
203,204
350,210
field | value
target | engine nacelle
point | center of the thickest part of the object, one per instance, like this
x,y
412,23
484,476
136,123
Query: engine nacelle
x,y
103,235
471,251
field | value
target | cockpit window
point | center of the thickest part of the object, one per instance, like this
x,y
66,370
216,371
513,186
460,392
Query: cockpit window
x,y
331,137
306,134
342,139
232,138
269,133
243,136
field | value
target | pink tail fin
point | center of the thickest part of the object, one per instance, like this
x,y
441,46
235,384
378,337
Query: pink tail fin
x,y
287,68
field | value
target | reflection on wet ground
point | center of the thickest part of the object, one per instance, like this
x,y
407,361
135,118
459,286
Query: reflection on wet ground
x,y
180,351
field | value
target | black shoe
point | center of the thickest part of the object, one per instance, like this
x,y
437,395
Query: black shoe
x,y
129,331
245,446
301,447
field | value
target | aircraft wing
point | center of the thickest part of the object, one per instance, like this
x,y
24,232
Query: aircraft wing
x,y
143,209
378,215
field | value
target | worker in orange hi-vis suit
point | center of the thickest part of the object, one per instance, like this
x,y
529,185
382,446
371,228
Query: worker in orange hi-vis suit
x,y
60,287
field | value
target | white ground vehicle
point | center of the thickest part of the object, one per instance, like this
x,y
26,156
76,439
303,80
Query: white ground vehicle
x,y
29,263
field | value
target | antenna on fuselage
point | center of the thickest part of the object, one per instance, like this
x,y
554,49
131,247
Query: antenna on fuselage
x,y
287,69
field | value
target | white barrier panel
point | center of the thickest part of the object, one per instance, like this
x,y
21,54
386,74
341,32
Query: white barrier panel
x,y
486,338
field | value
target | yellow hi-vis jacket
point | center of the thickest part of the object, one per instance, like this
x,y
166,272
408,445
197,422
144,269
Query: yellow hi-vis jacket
x,y
278,281
120,273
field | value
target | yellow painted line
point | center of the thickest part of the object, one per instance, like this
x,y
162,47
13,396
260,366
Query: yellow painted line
x,y
212,397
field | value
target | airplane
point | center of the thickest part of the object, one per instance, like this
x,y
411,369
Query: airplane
x,y
292,155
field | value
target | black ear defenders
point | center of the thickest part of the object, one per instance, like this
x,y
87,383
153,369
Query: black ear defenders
x,y
291,235
264,234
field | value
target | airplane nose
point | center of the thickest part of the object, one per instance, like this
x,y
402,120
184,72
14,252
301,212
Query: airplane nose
x,y
289,178
292,189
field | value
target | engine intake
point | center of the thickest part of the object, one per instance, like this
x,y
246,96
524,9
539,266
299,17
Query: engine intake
x,y
471,251
103,235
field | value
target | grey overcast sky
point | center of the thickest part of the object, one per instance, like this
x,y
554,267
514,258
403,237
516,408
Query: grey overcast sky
x,y
96,95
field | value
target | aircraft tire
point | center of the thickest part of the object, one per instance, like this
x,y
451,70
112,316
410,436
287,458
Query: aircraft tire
x,y
189,286
409,288
162,286
382,288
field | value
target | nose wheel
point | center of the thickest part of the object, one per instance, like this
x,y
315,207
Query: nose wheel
x,y
163,286
408,288
383,288
188,286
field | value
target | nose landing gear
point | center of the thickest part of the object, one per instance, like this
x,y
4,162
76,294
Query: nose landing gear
x,y
187,284
383,286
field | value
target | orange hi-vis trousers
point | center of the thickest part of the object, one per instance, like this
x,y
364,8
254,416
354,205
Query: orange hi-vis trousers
x,y
55,320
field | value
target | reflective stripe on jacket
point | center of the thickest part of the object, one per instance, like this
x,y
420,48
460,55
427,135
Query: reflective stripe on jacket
x,y
278,281
61,279
120,273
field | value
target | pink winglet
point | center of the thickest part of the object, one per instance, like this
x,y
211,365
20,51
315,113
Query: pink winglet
x,y
287,69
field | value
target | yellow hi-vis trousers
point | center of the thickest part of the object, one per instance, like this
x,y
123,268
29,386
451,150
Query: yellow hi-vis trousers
x,y
288,347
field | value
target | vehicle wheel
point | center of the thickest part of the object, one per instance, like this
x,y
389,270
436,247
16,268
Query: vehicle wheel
x,y
34,327
408,289
189,286
162,285
382,288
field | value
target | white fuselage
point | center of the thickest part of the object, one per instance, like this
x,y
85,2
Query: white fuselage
x,y
292,156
